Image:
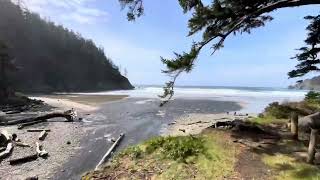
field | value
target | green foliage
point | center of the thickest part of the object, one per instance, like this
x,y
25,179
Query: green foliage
x,y
312,97
133,152
266,120
135,8
222,18
216,160
308,56
286,167
176,148
278,110
51,57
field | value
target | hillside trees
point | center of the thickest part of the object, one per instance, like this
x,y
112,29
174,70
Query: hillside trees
x,y
53,58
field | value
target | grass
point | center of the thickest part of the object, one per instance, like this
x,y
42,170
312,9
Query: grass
x,y
268,120
211,155
289,168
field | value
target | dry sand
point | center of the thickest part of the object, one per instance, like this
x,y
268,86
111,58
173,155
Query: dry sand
x,y
196,123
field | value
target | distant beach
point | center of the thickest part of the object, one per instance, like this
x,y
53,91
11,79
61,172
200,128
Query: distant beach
x,y
136,113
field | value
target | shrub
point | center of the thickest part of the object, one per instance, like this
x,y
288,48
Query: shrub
x,y
312,97
133,152
278,111
176,148
179,148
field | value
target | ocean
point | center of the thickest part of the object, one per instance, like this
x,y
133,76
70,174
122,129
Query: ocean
x,y
253,99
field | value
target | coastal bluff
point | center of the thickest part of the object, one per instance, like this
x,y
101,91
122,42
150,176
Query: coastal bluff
x,y
308,84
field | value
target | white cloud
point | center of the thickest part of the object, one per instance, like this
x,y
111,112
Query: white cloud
x,y
79,11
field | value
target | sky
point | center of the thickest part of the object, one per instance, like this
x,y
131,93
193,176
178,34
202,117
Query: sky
x,y
259,59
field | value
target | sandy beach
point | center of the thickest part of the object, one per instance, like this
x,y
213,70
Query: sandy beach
x,y
192,124
62,142
75,148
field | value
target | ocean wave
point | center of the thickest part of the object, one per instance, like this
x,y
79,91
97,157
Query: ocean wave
x,y
187,92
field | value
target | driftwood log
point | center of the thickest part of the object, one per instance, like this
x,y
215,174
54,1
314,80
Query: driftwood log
x,y
21,144
69,115
294,125
307,123
7,152
5,137
38,130
40,151
110,151
25,159
43,135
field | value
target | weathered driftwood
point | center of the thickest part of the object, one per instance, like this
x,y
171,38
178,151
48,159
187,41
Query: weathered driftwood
x,y
7,152
43,135
69,115
21,144
311,121
307,123
23,125
294,125
32,178
40,151
38,130
5,137
24,159
110,151
312,145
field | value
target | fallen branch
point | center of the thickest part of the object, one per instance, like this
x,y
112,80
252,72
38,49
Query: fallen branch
x,y
104,158
5,137
40,151
7,152
43,135
198,122
69,115
20,144
38,130
25,159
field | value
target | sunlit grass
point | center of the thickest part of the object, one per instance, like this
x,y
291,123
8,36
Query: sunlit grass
x,y
289,168
211,155
268,120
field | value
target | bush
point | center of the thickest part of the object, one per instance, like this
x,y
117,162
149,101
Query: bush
x,y
312,97
176,148
278,111
133,152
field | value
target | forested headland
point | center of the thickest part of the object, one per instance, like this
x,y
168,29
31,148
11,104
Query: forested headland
x,y
52,58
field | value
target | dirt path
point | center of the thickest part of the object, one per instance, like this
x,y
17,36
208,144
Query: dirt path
x,y
250,166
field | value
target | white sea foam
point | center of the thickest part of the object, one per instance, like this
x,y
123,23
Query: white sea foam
x,y
153,92
255,99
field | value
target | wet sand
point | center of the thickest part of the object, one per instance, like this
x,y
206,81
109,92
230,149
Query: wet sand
x,y
139,119
106,117
62,142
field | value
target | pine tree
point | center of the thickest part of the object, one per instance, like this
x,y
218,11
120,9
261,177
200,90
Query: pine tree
x,y
217,21
6,65
308,57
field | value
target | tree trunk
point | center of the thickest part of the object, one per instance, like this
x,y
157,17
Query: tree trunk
x,y
312,145
294,125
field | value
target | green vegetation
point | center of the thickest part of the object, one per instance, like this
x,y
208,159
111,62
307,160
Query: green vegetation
x,y
211,155
267,120
277,110
53,58
313,99
287,167
220,19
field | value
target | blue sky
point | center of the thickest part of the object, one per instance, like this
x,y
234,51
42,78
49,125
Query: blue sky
x,y
261,58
